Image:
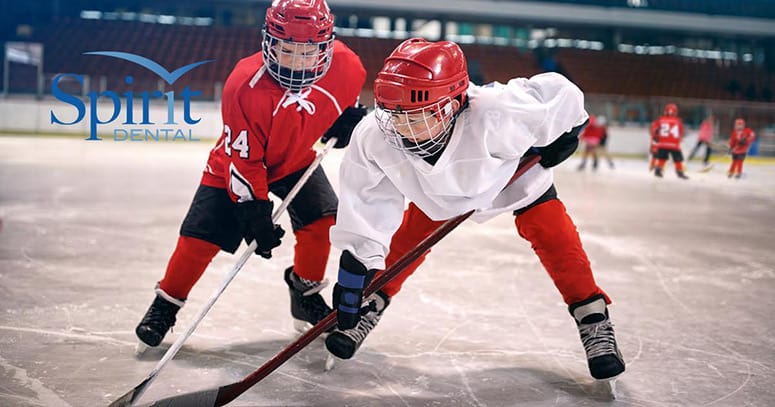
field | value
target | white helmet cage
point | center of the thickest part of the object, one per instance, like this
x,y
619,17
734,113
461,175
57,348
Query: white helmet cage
x,y
300,70
431,137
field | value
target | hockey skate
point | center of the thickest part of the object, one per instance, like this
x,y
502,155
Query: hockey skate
x,y
344,343
658,172
597,335
159,318
307,305
681,175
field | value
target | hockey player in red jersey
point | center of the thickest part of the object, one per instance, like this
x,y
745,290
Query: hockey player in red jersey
x,y
739,142
592,136
449,146
667,133
277,104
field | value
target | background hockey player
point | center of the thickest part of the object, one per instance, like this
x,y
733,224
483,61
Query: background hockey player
x,y
450,147
276,105
739,141
592,135
667,132
704,138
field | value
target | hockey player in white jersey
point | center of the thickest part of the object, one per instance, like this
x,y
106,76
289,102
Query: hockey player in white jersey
x,y
450,147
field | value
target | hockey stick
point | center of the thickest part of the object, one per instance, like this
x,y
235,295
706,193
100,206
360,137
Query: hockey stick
x,y
134,394
222,395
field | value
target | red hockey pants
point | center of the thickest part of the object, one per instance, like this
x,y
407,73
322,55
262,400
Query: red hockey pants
x,y
192,256
546,226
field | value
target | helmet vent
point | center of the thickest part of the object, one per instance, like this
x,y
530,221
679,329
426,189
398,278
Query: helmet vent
x,y
419,96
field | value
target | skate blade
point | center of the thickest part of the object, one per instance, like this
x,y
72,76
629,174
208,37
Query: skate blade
x,y
140,348
609,386
330,362
301,326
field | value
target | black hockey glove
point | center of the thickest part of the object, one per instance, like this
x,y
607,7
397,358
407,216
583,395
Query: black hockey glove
x,y
255,219
562,148
343,127
348,291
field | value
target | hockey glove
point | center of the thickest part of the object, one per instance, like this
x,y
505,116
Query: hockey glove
x,y
348,291
562,148
343,127
255,219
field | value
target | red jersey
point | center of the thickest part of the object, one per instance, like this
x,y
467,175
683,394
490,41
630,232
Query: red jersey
x,y
268,132
667,132
739,141
593,134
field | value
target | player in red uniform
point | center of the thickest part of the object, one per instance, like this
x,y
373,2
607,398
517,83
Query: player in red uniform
x,y
667,132
592,136
739,142
277,104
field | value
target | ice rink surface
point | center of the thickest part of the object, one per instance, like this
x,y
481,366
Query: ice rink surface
x,y
87,228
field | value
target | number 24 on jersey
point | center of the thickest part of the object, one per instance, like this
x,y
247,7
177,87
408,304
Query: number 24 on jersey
x,y
669,130
239,144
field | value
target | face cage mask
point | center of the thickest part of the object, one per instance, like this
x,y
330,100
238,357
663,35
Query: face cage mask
x,y
437,120
296,79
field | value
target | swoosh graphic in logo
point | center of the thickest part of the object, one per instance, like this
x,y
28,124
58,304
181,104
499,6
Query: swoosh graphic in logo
x,y
169,77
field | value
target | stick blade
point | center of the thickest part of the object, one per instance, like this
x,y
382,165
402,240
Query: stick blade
x,y
124,401
130,396
203,398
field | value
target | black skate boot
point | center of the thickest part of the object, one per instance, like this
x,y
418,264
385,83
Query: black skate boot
x,y
681,175
344,344
159,318
597,334
658,172
307,305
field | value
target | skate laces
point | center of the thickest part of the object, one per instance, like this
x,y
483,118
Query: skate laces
x,y
309,299
307,287
161,315
371,313
598,338
365,325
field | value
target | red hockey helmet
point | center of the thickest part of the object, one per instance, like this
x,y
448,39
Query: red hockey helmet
x,y
671,109
298,42
419,73
308,21
421,82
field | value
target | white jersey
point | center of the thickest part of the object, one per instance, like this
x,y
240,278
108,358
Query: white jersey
x,y
500,125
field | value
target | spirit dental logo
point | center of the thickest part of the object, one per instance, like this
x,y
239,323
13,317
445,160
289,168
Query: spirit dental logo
x,y
139,131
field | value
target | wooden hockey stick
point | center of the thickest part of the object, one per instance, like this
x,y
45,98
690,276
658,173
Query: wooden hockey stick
x,y
132,395
222,395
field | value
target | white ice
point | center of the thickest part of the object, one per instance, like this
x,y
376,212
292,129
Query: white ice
x,y
87,228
